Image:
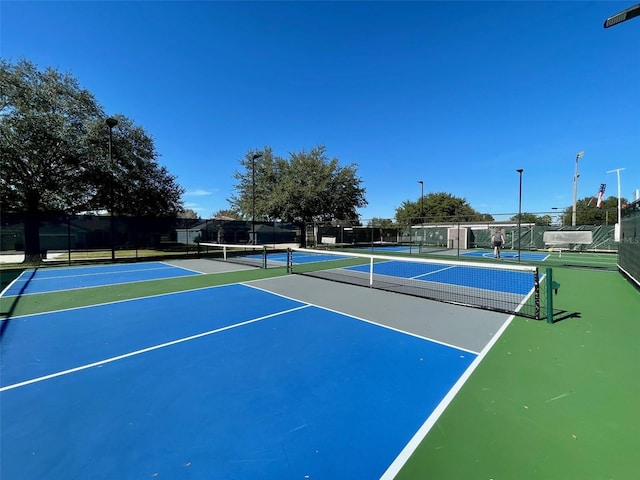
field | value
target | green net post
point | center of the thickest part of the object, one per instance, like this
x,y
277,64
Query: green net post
x,y
552,287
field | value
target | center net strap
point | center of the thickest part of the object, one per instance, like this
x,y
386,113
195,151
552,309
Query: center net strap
x,y
513,289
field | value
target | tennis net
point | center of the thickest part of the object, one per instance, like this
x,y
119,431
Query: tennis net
x,y
254,255
514,289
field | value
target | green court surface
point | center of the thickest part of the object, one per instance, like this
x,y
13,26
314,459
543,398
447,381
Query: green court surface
x,y
549,401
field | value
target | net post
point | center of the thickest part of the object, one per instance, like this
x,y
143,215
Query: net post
x,y
550,288
371,272
264,256
289,260
224,252
536,287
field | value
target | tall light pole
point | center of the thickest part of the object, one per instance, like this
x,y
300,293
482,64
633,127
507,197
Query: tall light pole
x,y
253,196
619,226
519,170
575,191
111,122
421,199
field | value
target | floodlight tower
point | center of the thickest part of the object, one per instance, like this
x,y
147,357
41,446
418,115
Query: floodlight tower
x,y
519,170
421,200
617,230
575,190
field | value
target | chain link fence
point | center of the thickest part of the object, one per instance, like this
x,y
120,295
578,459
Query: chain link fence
x,y
629,247
97,237
426,235
87,237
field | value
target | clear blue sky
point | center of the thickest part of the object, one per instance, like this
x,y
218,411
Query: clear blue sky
x,y
458,94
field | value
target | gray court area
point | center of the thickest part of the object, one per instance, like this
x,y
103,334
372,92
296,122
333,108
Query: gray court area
x,y
463,327
204,265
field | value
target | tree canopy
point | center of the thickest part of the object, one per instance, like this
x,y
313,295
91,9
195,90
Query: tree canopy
x,y
227,215
438,207
380,222
533,218
308,186
587,212
54,153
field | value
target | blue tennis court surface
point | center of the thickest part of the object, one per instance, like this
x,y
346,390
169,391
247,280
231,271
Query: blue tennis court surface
x,y
308,258
508,254
57,279
394,248
227,382
498,280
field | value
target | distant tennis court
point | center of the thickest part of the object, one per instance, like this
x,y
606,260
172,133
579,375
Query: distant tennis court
x,y
57,279
508,255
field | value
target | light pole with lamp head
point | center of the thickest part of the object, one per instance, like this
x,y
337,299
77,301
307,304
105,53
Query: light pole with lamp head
x,y
253,196
519,170
619,226
575,191
421,200
111,122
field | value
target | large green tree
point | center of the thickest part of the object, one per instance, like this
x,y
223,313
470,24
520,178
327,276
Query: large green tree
x,y
533,218
380,222
226,214
438,207
588,213
54,147
305,187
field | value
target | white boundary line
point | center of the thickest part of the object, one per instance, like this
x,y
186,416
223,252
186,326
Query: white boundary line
x,y
629,276
431,273
160,266
107,284
350,255
121,301
181,267
432,340
422,432
146,350
12,282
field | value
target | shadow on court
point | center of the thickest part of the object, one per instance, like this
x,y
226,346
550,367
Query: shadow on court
x,y
9,313
565,315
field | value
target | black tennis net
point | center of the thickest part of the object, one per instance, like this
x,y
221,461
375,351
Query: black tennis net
x,y
253,255
514,289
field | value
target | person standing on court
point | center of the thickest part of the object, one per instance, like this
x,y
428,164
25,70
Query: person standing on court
x,y
498,241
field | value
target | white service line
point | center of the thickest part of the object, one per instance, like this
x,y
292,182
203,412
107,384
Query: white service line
x,y
145,350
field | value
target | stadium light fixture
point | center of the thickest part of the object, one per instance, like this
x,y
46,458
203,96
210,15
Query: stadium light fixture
x,y
519,170
622,16
617,230
111,122
575,191
253,196
560,215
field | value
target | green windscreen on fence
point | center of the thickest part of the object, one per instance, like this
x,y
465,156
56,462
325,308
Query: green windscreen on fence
x,y
629,247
